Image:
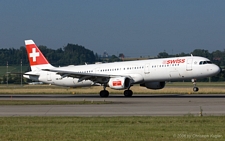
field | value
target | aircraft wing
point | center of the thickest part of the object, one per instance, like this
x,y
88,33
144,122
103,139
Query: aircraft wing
x,y
95,77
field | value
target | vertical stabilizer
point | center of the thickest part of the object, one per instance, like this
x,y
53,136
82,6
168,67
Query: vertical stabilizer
x,y
36,58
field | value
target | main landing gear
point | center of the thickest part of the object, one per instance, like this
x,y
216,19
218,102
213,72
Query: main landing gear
x,y
105,93
128,93
195,88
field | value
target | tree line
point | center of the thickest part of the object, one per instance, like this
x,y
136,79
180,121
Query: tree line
x,y
71,54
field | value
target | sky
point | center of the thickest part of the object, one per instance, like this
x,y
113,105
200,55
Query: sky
x,y
132,27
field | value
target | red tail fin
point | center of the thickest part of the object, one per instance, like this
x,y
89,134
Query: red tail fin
x,y
36,58
34,54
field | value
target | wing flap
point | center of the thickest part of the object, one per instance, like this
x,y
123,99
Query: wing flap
x,y
77,74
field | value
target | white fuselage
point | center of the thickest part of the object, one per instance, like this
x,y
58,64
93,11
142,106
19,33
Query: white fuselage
x,y
166,69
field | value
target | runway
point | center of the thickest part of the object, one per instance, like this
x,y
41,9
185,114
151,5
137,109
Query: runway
x,y
138,105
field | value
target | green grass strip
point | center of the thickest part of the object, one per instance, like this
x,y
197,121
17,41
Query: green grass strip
x,y
112,128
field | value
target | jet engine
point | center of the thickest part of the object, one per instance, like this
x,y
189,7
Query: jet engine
x,y
119,83
154,85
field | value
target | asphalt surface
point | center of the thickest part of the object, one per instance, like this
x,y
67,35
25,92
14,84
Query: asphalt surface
x,y
138,105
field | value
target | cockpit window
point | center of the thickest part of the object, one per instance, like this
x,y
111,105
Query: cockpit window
x,y
205,62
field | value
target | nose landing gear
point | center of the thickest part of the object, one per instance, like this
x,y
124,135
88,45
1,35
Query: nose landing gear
x,y
195,88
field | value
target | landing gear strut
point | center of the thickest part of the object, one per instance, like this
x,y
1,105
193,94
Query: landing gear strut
x,y
104,93
195,88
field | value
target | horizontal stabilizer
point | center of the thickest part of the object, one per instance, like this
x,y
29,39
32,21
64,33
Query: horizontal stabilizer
x,y
32,73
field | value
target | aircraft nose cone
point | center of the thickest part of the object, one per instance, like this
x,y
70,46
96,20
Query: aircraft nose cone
x,y
216,69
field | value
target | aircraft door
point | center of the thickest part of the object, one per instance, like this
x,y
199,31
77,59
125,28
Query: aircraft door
x,y
147,69
189,64
97,70
49,77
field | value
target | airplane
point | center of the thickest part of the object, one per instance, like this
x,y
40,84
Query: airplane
x,y
151,73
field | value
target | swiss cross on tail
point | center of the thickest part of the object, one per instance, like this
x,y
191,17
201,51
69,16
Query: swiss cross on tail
x,y
34,54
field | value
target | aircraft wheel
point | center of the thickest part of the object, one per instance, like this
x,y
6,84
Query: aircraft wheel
x,y
195,89
104,93
128,93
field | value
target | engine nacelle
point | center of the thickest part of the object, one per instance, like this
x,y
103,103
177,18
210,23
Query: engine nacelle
x,y
154,85
119,83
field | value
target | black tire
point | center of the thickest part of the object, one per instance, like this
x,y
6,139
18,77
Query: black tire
x,y
128,93
104,93
195,89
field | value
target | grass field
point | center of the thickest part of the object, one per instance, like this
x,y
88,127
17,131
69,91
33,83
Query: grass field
x,y
12,69
147,128
112,128
170,88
